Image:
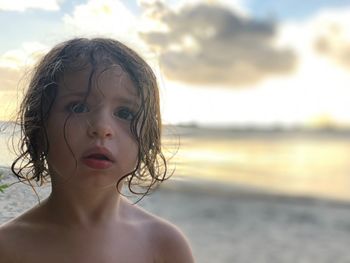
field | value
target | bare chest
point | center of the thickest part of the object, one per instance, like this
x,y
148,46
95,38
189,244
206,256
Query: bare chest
x,y
80,255
86,248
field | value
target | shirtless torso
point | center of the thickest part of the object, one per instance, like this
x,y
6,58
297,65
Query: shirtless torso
x,y
136,237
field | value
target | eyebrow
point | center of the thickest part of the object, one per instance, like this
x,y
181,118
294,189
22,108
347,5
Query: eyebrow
x,y
127,101
73,94
121,99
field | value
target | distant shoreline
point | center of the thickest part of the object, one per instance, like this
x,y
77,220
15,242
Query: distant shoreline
x,y
255,132
244,129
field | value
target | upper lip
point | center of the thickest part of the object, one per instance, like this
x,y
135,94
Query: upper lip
x,y
99,150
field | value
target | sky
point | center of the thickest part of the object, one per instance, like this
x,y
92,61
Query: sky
x,y
218,63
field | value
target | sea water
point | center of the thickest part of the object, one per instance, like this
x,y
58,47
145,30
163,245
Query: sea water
x,y
294,162
307,163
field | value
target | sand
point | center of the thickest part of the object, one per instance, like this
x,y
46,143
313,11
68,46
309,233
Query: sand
x,y
230,223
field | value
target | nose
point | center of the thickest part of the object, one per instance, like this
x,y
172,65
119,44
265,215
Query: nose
x,y
99,126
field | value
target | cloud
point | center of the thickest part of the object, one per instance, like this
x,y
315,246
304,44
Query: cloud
x,y
14,63
11,83
332,37
25,56
9,79
15,66
210,44
101,17
22,5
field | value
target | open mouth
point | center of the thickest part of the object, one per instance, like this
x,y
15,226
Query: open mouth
x,y
98,158
98,161
101,157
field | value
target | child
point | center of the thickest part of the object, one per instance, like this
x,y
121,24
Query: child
x,y
90,122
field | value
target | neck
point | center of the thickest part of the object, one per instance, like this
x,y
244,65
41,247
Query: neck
x,y
84,208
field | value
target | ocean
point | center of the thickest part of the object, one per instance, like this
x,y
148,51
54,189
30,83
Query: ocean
x,y
297,162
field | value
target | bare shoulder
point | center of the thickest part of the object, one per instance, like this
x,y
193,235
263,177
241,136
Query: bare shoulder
x,y
4,242
10,234
18,232
170,243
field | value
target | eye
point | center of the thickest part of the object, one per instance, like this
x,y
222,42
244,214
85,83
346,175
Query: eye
x,y
78,107
124,114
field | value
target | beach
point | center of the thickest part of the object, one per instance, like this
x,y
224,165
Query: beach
x,y
228,223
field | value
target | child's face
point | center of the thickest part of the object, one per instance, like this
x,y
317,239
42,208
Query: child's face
x,y
90,140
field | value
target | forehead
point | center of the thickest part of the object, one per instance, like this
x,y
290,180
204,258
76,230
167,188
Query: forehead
x,y
104,80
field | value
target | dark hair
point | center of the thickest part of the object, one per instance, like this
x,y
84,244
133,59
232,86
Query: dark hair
x,y
73,55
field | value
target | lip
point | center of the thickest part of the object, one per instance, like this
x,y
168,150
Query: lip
x,y
96,163
99,150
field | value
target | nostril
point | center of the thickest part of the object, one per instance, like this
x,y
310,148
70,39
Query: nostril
x,y
100,132
99,127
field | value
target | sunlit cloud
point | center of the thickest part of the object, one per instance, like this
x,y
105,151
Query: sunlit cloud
x,y
102,18
315,94
25,56
9,87
23,5
332,39
210,44
8,78
237,6
14,64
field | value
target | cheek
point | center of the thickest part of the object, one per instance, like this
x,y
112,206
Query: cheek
x,y
62,138
63,154
131,155
136,152
133,150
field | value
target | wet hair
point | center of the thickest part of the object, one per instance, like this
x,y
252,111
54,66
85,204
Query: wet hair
x,y
72,56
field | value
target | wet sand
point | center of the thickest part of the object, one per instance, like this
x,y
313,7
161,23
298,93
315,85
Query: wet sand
x,y
230,223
